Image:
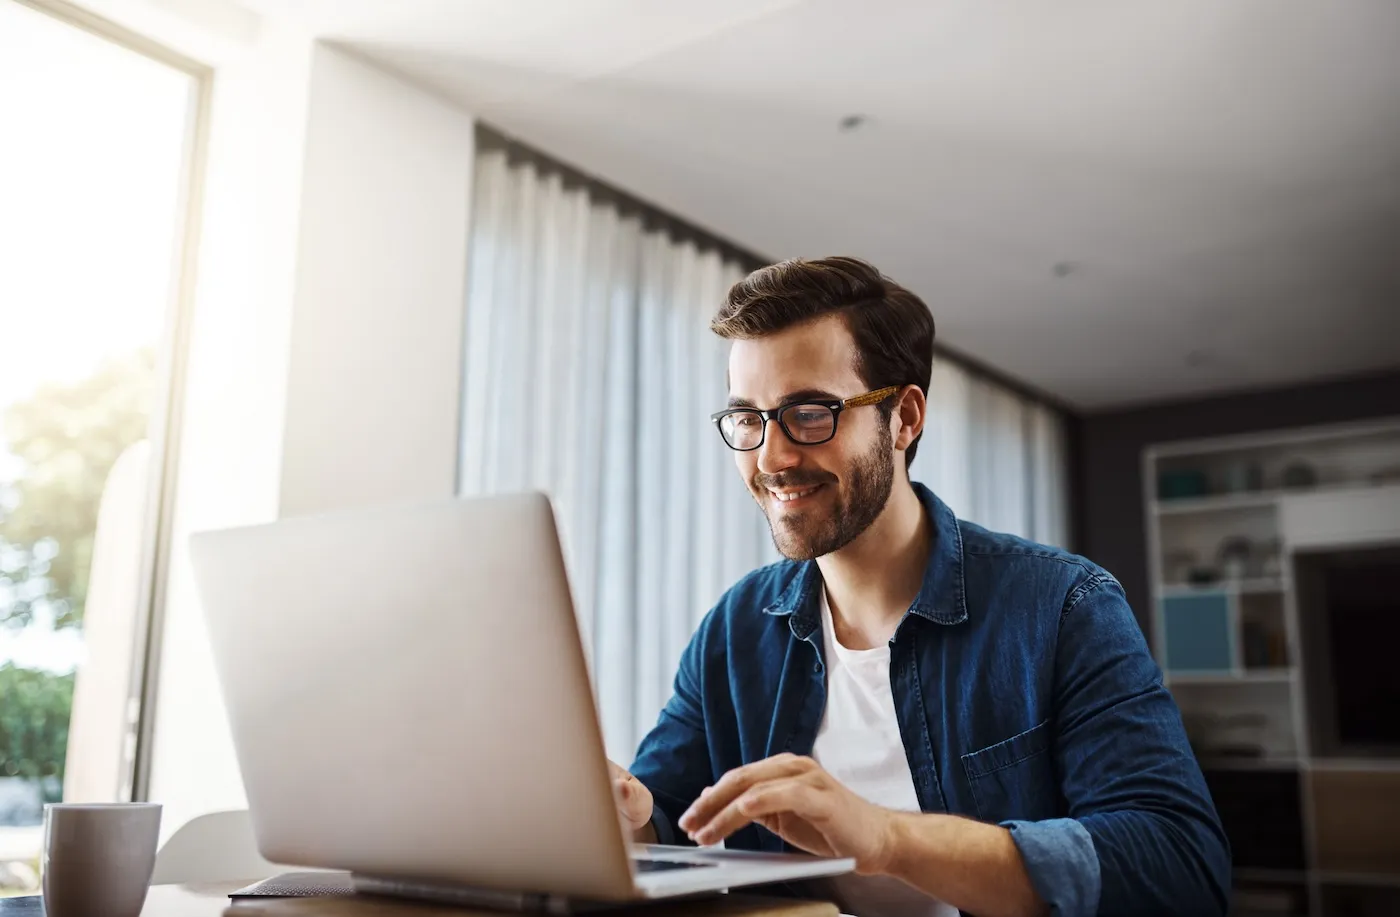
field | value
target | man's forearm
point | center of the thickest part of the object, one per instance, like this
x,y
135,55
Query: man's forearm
x,y
972,866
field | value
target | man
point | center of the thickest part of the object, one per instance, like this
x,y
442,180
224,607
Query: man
x,y
973,717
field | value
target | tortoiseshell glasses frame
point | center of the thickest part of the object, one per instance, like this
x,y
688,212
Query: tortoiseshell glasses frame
x,y
807,422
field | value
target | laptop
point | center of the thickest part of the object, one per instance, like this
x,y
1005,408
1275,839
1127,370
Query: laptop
x,y
410,702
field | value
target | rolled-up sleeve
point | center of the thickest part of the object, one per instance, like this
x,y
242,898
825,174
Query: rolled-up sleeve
x,y
1142,836
1059,856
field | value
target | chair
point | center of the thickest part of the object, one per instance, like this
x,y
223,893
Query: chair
x,y
217,847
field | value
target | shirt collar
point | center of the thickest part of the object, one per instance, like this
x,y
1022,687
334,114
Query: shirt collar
x,y
942,596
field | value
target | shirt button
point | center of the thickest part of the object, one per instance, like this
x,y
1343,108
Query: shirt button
x,y
817,668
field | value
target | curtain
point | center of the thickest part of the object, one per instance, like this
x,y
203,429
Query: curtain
x,y
995,457
590,373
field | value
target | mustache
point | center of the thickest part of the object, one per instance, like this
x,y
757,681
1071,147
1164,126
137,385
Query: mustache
x,y
791,479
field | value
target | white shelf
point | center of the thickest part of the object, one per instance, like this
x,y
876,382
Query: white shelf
x,y
1384,880
1245,677
1333,519
1292,762
1224,587
1223,503
1364,765
1273,440
1242,763
1217,503
1298,876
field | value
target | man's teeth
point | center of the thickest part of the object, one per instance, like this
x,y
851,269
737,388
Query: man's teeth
x,y
785,497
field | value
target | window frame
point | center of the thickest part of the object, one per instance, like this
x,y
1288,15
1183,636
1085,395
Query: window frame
x,y
165,429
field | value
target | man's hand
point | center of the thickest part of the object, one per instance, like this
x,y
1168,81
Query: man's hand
x,y
801,803
633,801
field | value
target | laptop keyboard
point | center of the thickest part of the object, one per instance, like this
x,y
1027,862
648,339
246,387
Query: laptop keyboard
x,y
644,865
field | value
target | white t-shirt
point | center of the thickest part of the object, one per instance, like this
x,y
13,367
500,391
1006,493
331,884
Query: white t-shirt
x,y
859,744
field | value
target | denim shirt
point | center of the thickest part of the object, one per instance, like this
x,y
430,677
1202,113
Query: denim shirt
x,y
1026,697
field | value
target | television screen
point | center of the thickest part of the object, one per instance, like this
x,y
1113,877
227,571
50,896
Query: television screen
x,y
1363,623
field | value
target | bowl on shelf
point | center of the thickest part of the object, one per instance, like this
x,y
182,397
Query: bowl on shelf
x,y
1244,477
1204,576
1299,476
1234,556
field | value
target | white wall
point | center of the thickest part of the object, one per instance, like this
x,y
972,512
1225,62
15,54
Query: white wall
x,y
231,431
376,350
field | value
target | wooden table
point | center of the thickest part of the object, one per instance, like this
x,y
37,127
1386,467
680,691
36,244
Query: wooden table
x,y
163,901
212,901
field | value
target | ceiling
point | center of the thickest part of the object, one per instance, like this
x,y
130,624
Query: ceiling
x,y
1218,182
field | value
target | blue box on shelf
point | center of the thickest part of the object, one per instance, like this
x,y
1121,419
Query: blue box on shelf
x,y
1198,634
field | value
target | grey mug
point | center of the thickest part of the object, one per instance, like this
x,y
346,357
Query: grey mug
x,y
98,858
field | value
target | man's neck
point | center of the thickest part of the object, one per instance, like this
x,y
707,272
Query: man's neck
x,y
871,582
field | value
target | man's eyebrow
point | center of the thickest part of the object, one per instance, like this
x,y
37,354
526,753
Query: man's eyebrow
x,y
806,394
809,394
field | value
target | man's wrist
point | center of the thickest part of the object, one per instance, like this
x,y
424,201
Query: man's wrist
x,y
912,838
895,839
969,864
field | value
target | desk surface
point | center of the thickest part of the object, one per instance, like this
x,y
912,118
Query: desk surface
x,y
212,901
163,901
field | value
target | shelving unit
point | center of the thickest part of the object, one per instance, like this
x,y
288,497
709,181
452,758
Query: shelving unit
x,y
1238,587
1227,519
1255,676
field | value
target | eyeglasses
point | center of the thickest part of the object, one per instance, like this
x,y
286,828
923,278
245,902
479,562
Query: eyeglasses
x,y
807,423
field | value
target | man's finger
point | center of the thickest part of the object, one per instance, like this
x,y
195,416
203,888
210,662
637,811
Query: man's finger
x,y
732,784
784,796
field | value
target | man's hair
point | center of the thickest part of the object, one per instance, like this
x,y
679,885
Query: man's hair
x,y
892,327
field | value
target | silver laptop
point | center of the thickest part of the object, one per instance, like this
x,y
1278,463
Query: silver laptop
x,y
410,702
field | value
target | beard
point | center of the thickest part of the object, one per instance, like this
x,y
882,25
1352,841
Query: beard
x,y
809,533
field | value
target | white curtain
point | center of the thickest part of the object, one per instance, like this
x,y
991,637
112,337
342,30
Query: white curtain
x,y
995,457
590,374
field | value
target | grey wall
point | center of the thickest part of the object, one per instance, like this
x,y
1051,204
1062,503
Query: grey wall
x,y
1109,523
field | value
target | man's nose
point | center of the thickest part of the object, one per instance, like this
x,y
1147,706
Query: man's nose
x,y
778,453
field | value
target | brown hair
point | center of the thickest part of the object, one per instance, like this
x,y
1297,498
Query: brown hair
x,y
892,327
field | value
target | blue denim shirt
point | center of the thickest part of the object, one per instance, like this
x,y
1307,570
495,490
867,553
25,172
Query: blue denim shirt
x,y
1026,697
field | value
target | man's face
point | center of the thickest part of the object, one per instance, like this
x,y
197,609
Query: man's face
x,y
817,498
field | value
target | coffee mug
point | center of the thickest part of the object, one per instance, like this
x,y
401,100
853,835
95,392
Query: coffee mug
x,y
98,857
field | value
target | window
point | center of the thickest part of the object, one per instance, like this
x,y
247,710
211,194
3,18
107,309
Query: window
x,y
94,195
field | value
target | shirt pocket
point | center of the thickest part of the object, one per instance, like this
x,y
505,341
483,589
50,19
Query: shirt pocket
x,y
1014,778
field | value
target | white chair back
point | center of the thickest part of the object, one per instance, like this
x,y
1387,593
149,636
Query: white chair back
x,y
218,847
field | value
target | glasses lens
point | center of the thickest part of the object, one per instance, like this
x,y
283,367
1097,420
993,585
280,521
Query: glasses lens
x,y
742,429
809,423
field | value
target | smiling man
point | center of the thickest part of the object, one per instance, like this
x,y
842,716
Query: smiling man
x,y
973,717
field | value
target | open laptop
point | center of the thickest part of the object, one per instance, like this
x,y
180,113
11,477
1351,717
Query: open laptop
x,y
410,702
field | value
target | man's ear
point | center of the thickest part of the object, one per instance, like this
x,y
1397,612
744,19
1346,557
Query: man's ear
x,y
908,416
